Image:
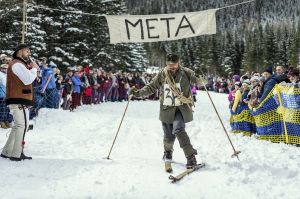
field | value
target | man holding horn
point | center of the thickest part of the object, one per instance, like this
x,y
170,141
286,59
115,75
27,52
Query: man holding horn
x,y
175,106
19,97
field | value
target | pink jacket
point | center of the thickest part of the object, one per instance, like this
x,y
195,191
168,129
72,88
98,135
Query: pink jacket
x,y
194,90
230,96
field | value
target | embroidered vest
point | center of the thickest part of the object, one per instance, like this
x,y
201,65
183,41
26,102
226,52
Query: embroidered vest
x,y
16,91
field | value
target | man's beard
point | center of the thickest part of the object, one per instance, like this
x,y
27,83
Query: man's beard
x,y
172,71
26,59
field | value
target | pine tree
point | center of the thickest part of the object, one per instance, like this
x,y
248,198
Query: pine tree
x,y
270,47
73,38
229,54
213,61
10,25
70,39
293,49
240,50
283,47
184,52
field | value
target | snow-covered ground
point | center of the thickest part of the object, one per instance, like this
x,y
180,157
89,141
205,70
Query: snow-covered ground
x,y
68,151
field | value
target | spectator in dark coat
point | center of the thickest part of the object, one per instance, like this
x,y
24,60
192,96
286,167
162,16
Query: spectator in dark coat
x,y
210,83
89,84
130,80
269,83
67,94
121,89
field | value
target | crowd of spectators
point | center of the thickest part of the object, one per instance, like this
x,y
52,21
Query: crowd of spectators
x,y
267,105
83,85
253,88
79,85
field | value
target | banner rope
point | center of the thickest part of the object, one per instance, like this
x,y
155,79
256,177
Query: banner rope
x,y
103,15
236,4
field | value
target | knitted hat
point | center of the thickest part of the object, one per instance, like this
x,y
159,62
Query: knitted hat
x,y
86,69
246,82
239,84
254,78
269,70
261,79
236,78
244,77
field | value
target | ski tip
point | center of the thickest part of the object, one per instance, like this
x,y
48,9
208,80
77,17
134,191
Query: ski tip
x,y
201,165
173,179
198,166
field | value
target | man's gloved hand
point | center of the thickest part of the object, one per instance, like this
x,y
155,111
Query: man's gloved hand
x,y
42,94
133,92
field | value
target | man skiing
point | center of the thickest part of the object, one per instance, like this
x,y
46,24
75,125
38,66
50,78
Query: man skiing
x,y
175,106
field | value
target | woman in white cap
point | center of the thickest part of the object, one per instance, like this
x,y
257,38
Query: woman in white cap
x,y
241,121
237,95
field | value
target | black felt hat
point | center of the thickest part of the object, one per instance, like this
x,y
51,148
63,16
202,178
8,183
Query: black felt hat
x,y
20,47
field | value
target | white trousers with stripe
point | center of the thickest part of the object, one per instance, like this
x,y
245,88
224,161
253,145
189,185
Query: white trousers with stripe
x,y
14,143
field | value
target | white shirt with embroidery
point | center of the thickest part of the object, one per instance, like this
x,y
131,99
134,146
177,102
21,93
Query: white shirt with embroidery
x,y
24,74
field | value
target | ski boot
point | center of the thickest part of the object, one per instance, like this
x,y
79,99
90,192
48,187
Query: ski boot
x,y
191,162
167,159
168,155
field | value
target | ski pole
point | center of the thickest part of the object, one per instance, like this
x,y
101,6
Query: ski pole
x,y
235,152
129,98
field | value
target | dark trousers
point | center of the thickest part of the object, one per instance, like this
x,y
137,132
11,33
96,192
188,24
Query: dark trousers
x,y
178,125
177,130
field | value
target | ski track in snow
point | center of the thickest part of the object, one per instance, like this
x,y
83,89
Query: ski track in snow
x,y
69,151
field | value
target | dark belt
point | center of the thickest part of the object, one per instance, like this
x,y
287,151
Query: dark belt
x,y
21,107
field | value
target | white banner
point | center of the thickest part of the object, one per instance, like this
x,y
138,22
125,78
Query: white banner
x,y
162,27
